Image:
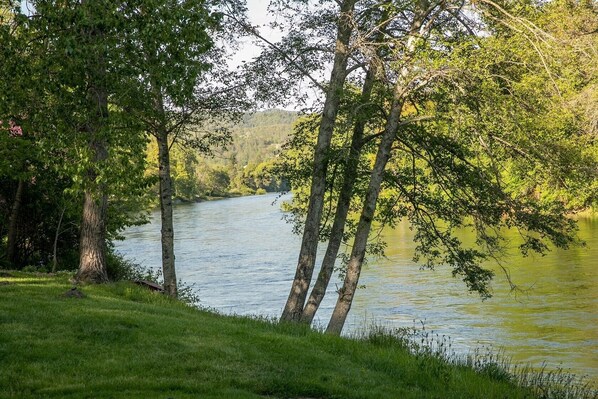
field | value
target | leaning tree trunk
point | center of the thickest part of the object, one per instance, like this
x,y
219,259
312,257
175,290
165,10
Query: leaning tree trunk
x,y
343,204
13,223
167,232
347,292
309,244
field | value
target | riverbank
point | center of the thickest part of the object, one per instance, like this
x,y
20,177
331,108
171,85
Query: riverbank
x,y
227,248
122,341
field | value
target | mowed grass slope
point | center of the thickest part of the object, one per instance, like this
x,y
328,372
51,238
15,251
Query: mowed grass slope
x,y
123,341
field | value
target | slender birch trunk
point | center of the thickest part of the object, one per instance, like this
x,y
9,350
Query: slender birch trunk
x,y
309,244
55,246
167,232
342,208
161,133
347,291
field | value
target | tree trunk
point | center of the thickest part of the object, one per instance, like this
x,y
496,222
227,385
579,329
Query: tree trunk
x,y
11,248
347,291
92,261
309,244
92,247
92,255
55,247
167,232
342,208
160,131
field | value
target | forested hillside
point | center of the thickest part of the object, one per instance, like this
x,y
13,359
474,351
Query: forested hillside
x,y
242,166
258,137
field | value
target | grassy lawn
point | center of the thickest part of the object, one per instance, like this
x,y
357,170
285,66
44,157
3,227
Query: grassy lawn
x,y
123,341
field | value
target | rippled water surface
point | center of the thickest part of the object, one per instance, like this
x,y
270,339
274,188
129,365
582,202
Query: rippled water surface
x,y
241,256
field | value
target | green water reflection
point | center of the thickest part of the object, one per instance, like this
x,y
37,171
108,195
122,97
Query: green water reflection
x,y
552,319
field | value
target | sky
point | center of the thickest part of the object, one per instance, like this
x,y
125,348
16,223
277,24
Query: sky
x,y
258,16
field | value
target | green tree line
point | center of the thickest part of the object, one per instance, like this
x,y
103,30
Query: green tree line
x,y
246,165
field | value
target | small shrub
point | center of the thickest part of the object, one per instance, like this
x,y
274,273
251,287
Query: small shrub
x,y
121,269
35,269
188,293
67,261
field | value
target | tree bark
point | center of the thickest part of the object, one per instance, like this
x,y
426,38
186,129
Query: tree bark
x,y
342,208
167,232
347,291
92,247
92,255
309,244
160,131
13,222
92,261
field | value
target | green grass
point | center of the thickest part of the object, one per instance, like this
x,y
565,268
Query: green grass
x,y
122,341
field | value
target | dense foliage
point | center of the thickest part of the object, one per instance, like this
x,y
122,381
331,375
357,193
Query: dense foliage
x,y
463,130
78,79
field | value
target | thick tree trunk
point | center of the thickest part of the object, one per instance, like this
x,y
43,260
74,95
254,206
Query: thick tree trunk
x,y
92,244
92,261
309,244
13,223
167,232
342,207
92,255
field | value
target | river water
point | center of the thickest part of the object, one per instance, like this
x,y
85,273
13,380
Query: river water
x,y
241,256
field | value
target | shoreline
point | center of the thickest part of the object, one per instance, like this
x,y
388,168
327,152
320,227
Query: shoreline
x,y
223,356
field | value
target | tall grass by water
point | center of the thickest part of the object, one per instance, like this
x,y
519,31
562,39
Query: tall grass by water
x,y
435,352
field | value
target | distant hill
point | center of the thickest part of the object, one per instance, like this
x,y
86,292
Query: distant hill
x,y
245,165
257,138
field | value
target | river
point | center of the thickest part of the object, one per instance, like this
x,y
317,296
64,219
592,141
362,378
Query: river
x,y
241,255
